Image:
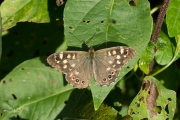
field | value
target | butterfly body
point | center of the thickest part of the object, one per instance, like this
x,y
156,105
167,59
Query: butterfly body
x,y
80,66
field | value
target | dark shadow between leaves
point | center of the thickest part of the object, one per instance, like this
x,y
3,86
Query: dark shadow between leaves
x,y
17,118
77,98
27,40
96,47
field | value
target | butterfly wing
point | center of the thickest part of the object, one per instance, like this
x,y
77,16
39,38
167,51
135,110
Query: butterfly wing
x,y
75,65
108,62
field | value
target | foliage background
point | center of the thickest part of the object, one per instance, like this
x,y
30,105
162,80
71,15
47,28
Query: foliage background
x,y
33,29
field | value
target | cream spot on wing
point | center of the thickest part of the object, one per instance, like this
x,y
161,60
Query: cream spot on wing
x,y
57,61
64,61
61,56
114,65
118,56
122,51
73,56
113,52
127,52
73,65
76,72
124,55
70,69
118,62
109,53
68,56
110,62
108,68
65,66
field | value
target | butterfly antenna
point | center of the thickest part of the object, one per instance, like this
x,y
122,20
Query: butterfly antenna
x,y
79,39
76,37
83,40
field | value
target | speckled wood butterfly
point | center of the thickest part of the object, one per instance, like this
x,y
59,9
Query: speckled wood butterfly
x,y
80,66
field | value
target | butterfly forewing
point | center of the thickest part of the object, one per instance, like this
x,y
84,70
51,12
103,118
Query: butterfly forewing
x,y
108,62
76,66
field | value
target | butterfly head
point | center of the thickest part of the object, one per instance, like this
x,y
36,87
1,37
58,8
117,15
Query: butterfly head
x,y
91,52
91,49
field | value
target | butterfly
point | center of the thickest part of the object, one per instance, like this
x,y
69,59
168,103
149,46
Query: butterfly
x,y
80,66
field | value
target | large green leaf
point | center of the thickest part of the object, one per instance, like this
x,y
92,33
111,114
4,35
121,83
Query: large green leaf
x,y
34,91
113,23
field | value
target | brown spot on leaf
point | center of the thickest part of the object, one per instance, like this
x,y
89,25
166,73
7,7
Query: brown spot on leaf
x,y
102,21
65,102
14,96
88,21
53,83
151,66
132,112
133,2
39,76
145,85
4,82
151,99
113,21
70,27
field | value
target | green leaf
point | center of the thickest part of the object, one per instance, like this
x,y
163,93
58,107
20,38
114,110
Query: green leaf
x,y
178,41
147,59
164,49
33,91
153,101
173,18
0,37
14,11
113,23
177,51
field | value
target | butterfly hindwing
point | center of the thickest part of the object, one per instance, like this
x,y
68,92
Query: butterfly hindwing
x,y
103,73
